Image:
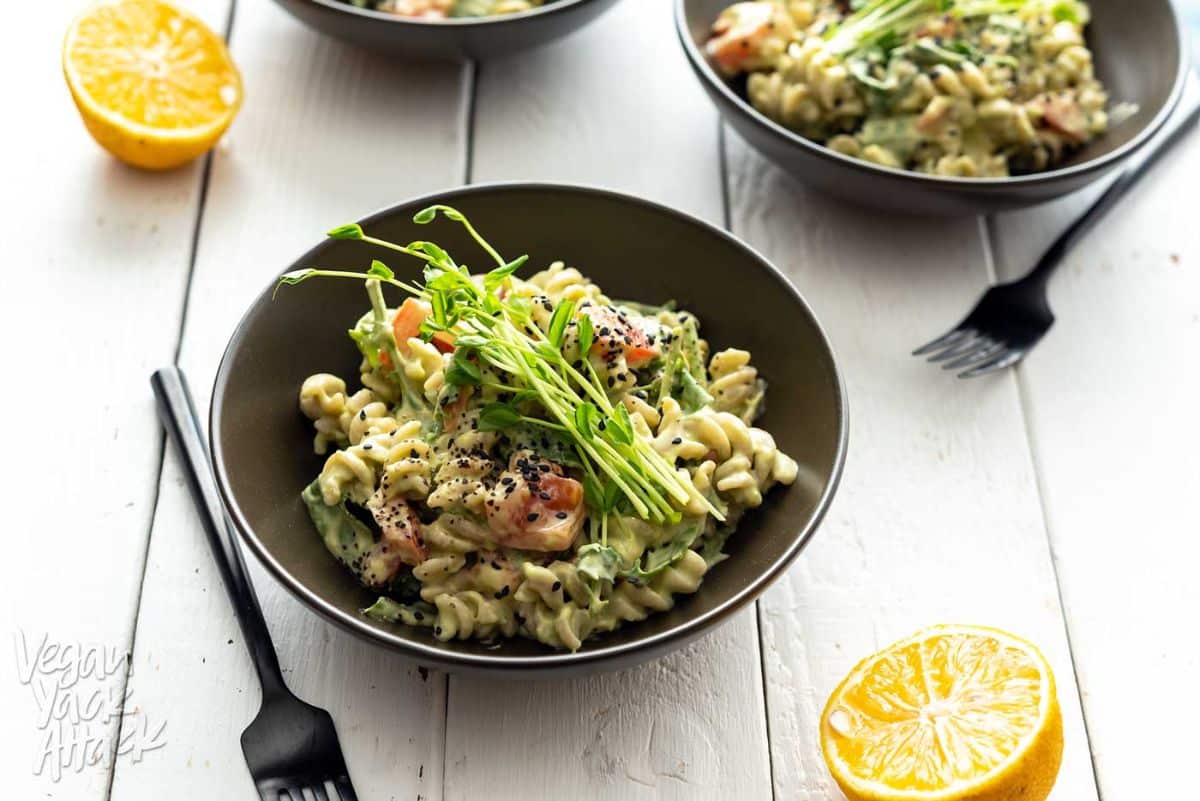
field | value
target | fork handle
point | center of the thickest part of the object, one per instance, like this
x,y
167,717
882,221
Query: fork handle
x,y
1171,132
178,415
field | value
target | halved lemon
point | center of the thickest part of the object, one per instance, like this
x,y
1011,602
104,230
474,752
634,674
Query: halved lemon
x,y
950,714
154,85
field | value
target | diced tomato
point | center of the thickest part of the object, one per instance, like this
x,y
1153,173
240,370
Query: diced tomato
x,y
738,33
534,507
452,413
407,324
1067,118
399,543
615,331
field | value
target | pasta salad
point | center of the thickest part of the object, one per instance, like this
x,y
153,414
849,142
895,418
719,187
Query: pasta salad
x,y
526,456
443,9
966,88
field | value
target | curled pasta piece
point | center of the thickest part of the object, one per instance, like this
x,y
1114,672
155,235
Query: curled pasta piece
x,y
558,282
426,366
468,614
735,386
353,471
747,461
486,572
323,400
465,468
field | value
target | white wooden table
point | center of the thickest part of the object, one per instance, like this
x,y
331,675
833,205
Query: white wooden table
x,y
1057,501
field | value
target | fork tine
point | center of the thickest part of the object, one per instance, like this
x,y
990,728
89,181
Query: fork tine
x,y
318,791
976,356
998,362
972,345
345,789
944,341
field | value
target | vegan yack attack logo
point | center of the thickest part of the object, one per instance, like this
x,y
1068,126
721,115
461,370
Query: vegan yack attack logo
x,y
85,713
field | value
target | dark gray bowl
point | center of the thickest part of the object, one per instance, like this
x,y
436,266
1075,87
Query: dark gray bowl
x,y
262,446
452,39
1139,52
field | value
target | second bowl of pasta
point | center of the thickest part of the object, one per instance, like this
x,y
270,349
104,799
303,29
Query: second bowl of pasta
x,y
443,30
939,106
522,428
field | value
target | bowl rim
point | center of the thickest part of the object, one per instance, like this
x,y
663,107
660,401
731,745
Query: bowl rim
x,y
338,6
602,653
712,80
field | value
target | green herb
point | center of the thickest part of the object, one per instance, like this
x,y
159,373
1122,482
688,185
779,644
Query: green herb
x,y
586,334
562,315
463,372
497,417
380,270
597,565
585,419
885,23
659,558
498,333
1066,11
350,231
598,562
346,537
391,611
692,396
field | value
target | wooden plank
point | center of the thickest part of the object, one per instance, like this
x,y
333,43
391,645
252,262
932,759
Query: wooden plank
x,y
609,107
937,519
93,295
324,138
1111,397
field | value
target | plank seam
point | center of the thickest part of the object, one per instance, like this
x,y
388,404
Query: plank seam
x,y
727,223
762,667
205,174
991,244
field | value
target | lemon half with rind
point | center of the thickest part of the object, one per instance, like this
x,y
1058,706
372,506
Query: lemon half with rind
x,y
155,86
953,713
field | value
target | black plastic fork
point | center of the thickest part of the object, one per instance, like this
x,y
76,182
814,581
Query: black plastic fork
x,y
1010,319
291,746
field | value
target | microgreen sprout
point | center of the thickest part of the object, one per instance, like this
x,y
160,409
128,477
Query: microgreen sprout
x,y
885,23
494,335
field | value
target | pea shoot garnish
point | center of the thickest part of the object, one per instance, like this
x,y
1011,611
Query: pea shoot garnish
x,y
498,345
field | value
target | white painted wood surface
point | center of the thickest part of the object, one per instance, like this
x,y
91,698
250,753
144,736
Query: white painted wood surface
x,y
937,519
330,148
91,297
954,496
1111,398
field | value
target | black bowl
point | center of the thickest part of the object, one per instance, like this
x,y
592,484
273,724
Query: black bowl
x,y
262,445
451,39
1140,55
